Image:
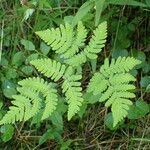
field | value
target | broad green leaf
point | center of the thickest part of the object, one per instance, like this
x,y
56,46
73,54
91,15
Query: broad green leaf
x,y
140,109
126,2
146,67
83,10
51,134
27,70
44,48
108,120
99,8
9,88
57,119
119,52
7,132
11,73
145,81
28,45
18,58
32,57
138,55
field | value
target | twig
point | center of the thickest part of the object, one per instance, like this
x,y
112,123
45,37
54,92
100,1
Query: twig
x,y
2,35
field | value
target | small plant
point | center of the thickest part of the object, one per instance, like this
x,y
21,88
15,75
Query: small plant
x,y
112,83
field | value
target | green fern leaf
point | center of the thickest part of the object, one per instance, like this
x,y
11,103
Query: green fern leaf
x,y
50,68
29,102
17,112
66,41
113,85
120,109
95,46
73,92
71,85
78,41
121,65
97,41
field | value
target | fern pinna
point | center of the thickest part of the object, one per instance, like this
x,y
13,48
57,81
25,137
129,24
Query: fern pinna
x,y
112,82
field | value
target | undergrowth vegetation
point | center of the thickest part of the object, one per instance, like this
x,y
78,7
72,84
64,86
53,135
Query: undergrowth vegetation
x,y
75,74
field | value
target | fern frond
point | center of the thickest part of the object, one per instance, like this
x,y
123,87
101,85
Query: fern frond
x,y
19,111
30,101
71,85
121,65
113,85
64,40
78,41
50,68
46,35
97,42
73,92
120,109
34,99
67,41
77,60
98,88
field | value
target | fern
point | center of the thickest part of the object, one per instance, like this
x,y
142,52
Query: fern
x,y
67,42
113,85
95,46
64,40
29,102
71,85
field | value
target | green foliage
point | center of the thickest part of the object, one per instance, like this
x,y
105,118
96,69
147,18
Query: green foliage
x,y
140,109
7,132
29,102
128,35
114,77
112,82
71,85
109,122
66,42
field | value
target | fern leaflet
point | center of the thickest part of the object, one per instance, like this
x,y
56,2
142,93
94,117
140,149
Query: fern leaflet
x,y
113,84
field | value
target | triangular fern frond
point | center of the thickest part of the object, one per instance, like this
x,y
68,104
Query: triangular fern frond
x,y
30,101
71,85
113,85
64,40
69,42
